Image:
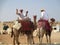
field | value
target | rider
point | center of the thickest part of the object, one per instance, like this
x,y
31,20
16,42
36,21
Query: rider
x,y
25,21
21,15
44,15
44,18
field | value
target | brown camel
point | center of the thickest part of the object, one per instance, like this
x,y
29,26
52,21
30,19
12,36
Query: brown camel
x,y
27,28
43,30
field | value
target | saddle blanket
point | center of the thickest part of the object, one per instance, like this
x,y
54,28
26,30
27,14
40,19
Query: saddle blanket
x,y
27,25
44,22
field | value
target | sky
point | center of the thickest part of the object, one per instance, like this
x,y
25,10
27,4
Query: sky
x,y
8,8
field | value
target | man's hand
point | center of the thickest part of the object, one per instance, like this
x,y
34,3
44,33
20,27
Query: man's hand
x,y
26,11
16,11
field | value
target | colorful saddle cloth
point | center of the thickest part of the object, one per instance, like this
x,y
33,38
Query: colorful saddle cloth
x,y
44,22
27,25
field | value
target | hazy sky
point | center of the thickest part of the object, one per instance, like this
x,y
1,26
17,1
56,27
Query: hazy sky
x,y
8,8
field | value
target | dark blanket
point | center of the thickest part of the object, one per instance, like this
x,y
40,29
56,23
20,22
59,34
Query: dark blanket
x,y
27,25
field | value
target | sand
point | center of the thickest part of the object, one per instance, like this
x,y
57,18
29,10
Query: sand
x,y
5,38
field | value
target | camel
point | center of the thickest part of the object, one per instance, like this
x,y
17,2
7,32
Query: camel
x,y
43,30
27,27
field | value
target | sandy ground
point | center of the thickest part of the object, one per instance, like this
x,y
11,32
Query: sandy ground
x,y
6,39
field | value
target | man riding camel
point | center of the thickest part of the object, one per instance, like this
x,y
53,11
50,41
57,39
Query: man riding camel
x,y
21,15
23,20
44,19
44,15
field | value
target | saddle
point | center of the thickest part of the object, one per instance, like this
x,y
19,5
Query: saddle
x,y
45,23
26,25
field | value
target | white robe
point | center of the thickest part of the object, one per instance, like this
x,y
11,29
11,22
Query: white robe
x,y
44,15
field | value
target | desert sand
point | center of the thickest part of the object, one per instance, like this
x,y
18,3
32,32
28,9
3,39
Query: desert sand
x,y
6,39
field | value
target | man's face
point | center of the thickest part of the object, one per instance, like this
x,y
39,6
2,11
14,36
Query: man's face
x,y
26,11
21,11
42,10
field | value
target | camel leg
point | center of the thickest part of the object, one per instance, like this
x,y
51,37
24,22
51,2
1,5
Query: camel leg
x,y
46,37
14,40
40,40
16,36
28,41
50,39
32,38
41,34
49,34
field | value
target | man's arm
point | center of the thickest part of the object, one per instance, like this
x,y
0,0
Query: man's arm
x,y
17,12
26,13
